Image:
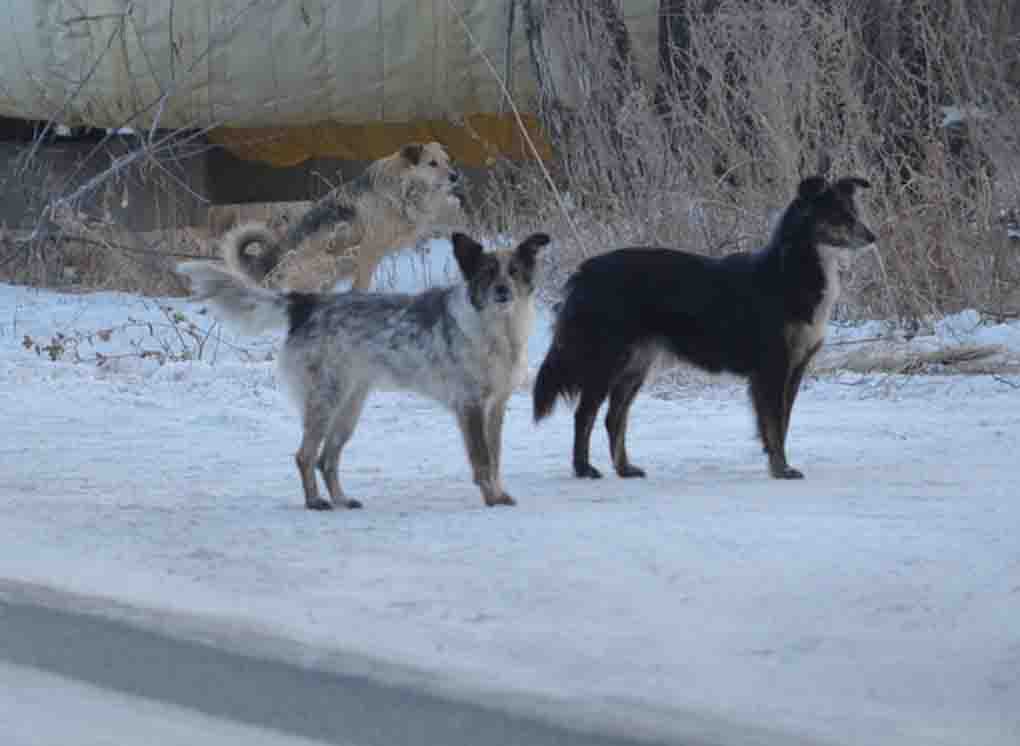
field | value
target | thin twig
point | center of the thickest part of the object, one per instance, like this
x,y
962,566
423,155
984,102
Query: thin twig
x,y
216,37
519,119
81,85
862,340
122,162
97,17
70,238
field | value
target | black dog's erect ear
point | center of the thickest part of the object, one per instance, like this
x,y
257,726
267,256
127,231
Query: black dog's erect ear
x,y
468,253
412,152
811,187
846,185
528,249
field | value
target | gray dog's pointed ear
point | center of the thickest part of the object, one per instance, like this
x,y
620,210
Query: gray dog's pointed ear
x,y
811,187
847,185
468,253
528,248
412,152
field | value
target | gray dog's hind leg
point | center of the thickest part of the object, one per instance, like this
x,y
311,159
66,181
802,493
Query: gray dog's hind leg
x,y
340,430
311,440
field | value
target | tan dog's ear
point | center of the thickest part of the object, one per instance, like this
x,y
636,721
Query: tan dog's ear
x,y
412,152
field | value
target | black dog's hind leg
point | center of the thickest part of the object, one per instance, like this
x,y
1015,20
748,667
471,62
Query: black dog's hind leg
x,y
768,393
584,422
621,397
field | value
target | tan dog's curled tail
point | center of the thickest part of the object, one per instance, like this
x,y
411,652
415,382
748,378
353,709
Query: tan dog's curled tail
x,y
255,267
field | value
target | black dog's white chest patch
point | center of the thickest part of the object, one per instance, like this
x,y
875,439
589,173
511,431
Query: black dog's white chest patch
x,y
805,336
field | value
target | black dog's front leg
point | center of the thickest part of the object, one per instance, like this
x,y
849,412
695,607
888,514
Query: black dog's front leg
x,y
768,391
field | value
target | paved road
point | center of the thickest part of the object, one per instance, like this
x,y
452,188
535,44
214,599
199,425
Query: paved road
x,y
329,707
127,668
43,709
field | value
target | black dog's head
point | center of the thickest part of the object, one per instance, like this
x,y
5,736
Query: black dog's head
x,y
499,278
834,212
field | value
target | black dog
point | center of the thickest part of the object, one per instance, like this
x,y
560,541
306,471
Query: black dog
x,y
760,315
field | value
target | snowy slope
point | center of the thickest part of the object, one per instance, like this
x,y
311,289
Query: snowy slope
x,y
876,602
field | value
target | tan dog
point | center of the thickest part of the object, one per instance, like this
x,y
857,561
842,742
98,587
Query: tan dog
x,y
392,204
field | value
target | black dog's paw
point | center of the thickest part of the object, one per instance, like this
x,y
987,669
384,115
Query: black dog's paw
x,y
318,504
502,499
787,472
587,471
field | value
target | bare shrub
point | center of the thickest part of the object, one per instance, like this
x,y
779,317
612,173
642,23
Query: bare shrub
x,y
919,97
175,338
77,229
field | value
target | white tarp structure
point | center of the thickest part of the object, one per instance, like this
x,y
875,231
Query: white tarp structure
x,y
267,63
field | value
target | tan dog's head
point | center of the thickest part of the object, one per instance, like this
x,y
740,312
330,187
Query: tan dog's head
x,y
421,175
428,165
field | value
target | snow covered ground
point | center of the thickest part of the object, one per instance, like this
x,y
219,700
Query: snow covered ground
x,y
876,602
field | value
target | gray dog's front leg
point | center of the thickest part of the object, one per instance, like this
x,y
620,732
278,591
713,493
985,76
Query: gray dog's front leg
x,y
473,426
494,437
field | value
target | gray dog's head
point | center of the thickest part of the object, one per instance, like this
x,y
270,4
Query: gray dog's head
x,y
498,279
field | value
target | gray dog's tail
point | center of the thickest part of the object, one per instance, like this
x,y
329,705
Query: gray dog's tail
x,y
252,310
256,267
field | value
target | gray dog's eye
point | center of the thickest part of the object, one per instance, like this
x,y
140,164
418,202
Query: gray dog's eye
x,y
434,164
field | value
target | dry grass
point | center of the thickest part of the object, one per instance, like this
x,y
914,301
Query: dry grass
x,y
84,252
771,91
780,89
101,257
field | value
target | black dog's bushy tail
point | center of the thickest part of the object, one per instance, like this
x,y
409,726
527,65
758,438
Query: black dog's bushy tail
x,y
559,374
549,384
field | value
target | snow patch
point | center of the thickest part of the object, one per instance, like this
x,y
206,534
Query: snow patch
x,y
875,602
